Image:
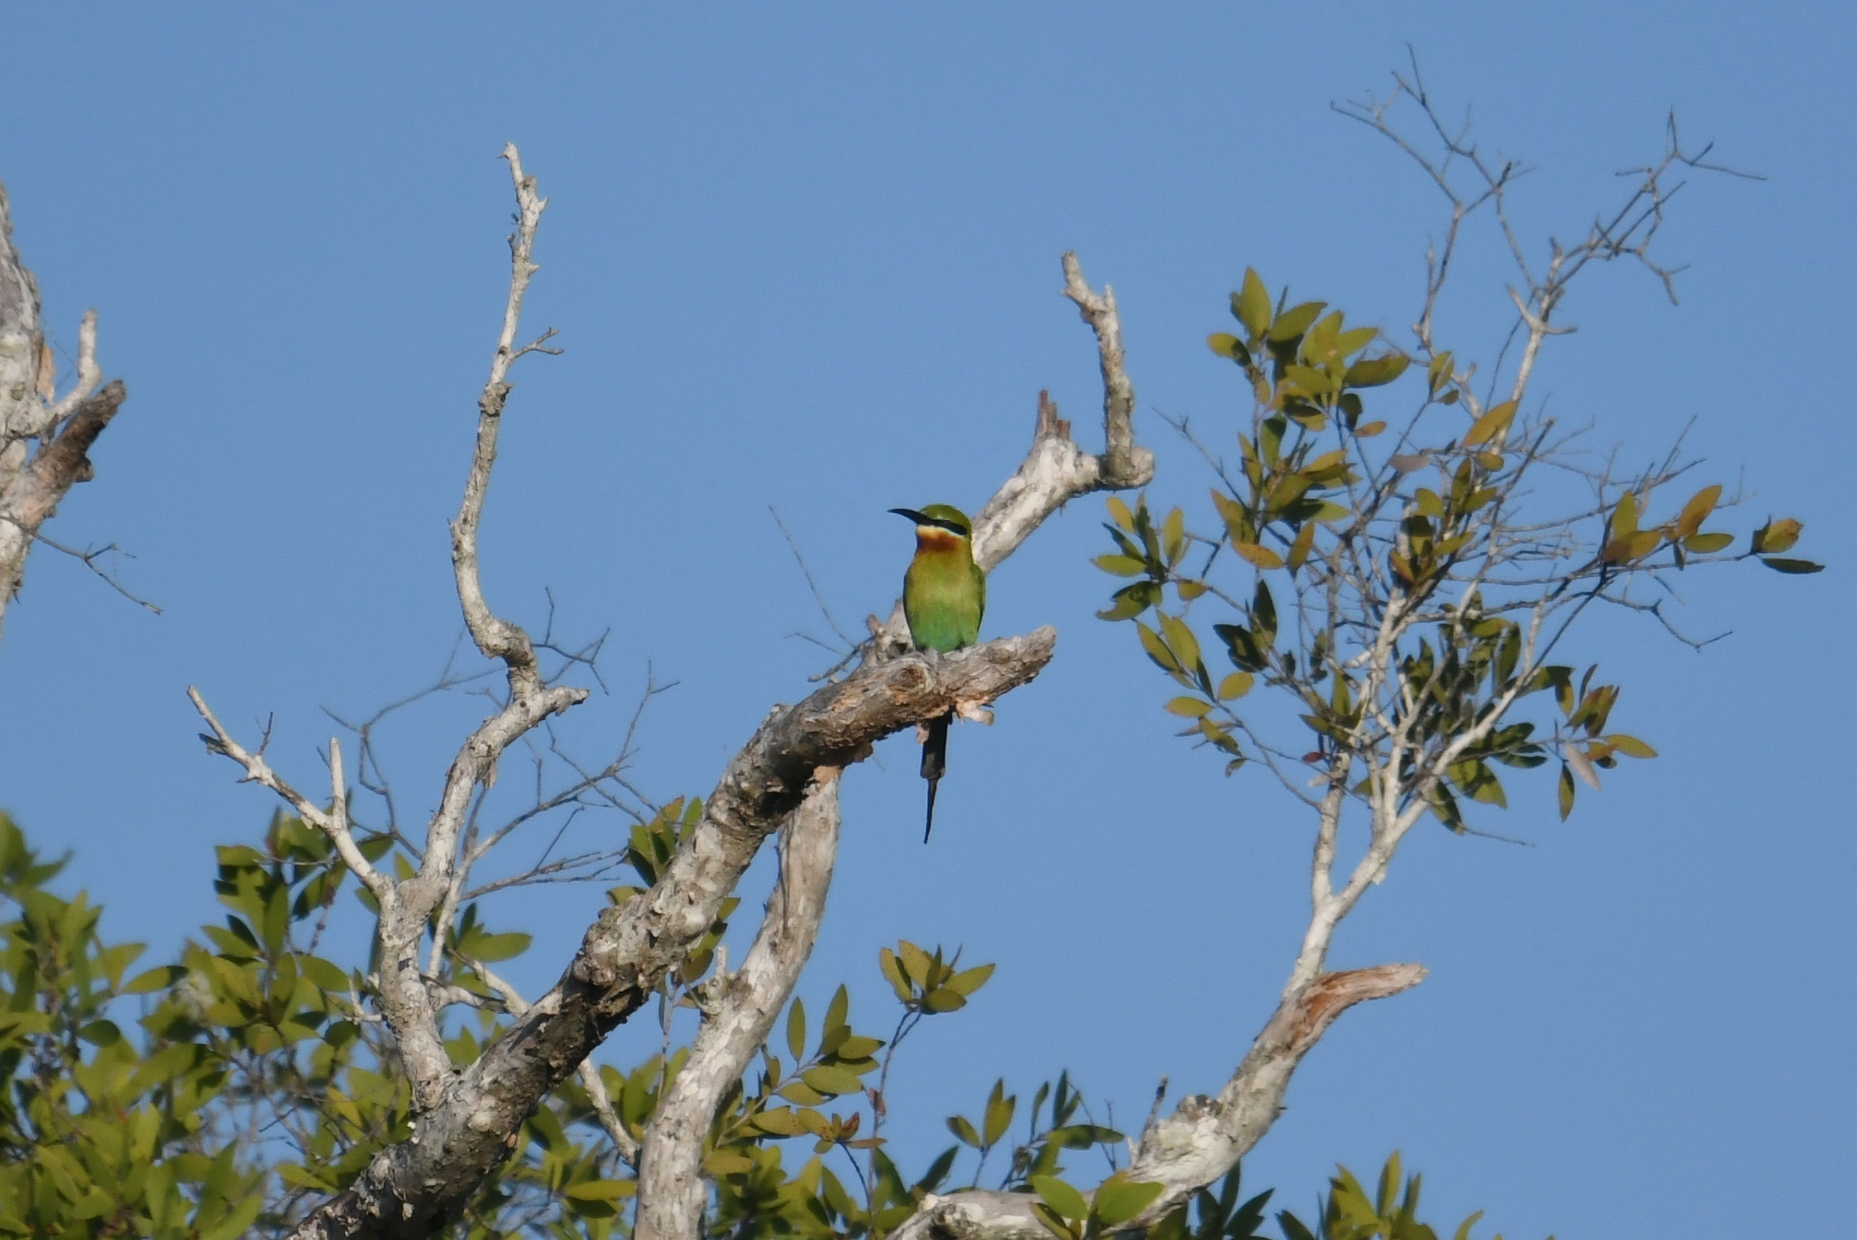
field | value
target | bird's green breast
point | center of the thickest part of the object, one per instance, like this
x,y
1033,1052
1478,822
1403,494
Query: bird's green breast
x,y
944,596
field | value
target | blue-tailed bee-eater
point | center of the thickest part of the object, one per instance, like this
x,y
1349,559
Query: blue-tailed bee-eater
x,y
944,596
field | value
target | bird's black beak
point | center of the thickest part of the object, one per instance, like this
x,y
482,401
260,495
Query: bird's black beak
x,y
913,515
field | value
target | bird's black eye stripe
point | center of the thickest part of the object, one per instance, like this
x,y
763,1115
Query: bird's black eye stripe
x,y
953,527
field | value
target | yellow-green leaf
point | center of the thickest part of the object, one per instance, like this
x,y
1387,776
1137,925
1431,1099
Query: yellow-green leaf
x,y
1376,371
1118,1201
1697,510
1295,321
1630,746
1189,707
158,978
1776,536
1493,423
602,1190
1625,516
796,1029
1061,1197
1252,304
1156,648
1305,541
1237,520
1181,640
967,981
1173,536
1258,555
1120,565
1235,685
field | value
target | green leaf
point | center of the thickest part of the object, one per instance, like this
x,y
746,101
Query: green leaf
x,y
796,1029
1566,792
1463,1228
892,969
832,1080
1120,565
1157,649
1131,601
1377,371
1777,535
838,1010
781,1122
1251,304
1235,685
916,963
1226,345
1295,321
998,1113
1173,536
1355,339
236,1223
101,1033
800,1092
1061,1197
967,981
600,1190
1791,566
1630,746
1119,1201
1189,707
1258,555
1697,510
1054,1222
963,1130
158,978
1181,641
1491,424
491,948
1293,1227
864,1048
943,1000
1625,516
1704,544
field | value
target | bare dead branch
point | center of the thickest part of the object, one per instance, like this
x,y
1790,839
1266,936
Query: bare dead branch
x,y
462,1136
740,1009
1204,1137
89,560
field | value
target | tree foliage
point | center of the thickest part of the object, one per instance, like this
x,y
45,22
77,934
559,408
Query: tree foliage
x,y
1404,594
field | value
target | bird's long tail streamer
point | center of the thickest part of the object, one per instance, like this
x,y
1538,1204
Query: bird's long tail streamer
x,y
934,763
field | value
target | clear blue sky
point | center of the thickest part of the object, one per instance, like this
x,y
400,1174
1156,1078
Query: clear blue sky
x,y
812,261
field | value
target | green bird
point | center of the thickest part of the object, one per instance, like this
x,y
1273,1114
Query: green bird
x,y
944,596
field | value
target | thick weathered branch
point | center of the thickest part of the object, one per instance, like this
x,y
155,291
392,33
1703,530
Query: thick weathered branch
x,y
739,1010
1204,1137
31,488
414,1188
